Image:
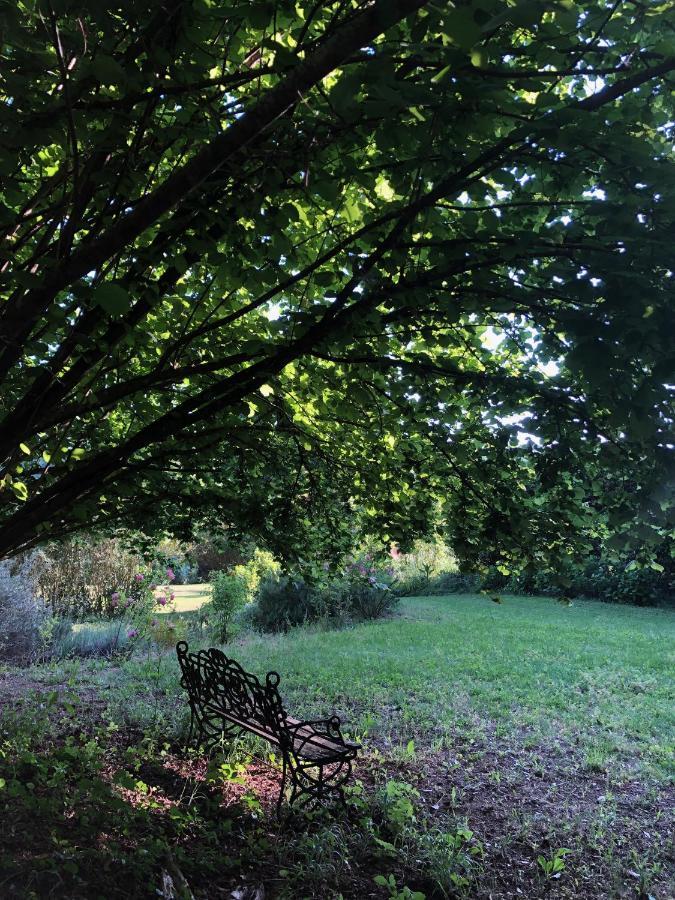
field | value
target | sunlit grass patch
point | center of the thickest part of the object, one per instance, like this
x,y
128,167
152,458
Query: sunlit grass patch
x,y
591,674
188,597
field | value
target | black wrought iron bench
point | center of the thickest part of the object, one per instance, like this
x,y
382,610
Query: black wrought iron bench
x,y
225,700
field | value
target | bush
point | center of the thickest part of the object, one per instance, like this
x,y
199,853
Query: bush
x,y
284,603
24,618
78,577
172,554
264,564
91,639
367,588
230,592
599,579
370,601
444,583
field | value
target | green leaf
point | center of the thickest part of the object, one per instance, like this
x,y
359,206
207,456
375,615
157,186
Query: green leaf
x,y
461,28
479,58
20,490
107,70
439,76
112,298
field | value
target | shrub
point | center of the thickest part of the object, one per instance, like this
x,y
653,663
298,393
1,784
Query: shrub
x,y
78,577
444,583
264,564
457,583
138,621
91,639
286,602
371,601
230,592
248,574
595,579
367,588
24,618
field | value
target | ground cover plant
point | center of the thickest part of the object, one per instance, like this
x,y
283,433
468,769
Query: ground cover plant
x,y
515,747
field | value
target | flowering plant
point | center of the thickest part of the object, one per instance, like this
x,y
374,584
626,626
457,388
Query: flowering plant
x,y
368,587
365,569
141,611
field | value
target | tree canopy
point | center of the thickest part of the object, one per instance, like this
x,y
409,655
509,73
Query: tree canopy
x,y
284,264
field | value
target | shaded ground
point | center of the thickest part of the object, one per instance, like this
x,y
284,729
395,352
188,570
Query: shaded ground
x,y
93,809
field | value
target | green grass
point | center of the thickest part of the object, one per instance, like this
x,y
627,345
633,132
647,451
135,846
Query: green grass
x,y
188,597
593,676
580,699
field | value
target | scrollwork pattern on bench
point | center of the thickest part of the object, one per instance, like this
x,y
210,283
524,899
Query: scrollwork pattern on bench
x,y
225,699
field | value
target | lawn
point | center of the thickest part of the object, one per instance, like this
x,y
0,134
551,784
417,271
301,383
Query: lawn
x,y
591,675
188,597
497,739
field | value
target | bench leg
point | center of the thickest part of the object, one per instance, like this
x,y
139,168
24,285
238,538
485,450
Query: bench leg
x,y
191,732
282,789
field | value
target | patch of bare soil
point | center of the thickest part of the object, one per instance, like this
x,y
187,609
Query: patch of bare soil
x,y
526,804
19,688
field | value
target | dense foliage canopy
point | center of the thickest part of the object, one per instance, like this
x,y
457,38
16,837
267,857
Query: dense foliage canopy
x,y
283,264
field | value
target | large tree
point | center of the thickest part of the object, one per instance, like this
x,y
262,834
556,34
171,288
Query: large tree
x,y
284,264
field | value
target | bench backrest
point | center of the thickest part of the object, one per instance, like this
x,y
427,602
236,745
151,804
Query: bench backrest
x,y
216,683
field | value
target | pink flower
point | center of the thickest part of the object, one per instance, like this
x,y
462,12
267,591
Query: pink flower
x,y
129,602
170,574
115,596
162,600
132,633
172,596
138,576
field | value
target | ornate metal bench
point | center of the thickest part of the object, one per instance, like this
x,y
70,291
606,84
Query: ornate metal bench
x,y
225,700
